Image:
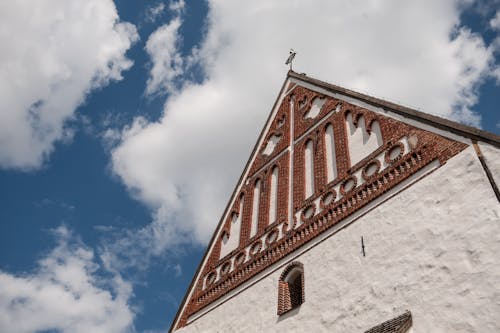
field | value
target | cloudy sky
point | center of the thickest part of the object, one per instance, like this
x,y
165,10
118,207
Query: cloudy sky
x,y
125,125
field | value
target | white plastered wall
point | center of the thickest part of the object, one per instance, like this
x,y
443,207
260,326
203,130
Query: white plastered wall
x,y
492,158
432,249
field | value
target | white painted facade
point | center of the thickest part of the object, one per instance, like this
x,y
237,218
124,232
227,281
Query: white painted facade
x,y
492,157
432,249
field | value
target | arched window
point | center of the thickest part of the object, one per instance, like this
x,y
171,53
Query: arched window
x,y
291,288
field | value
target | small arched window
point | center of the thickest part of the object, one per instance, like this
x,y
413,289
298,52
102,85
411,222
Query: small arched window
x,y
291,288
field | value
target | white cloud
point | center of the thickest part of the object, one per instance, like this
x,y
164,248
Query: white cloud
x,y
54,53
154,11
495,21
178,270
177,6
163,49
185,165
66,294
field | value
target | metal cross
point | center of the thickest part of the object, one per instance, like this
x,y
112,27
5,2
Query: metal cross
x,y
290,58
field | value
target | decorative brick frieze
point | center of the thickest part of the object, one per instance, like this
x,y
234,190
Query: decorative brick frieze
x,y
246,194
336,212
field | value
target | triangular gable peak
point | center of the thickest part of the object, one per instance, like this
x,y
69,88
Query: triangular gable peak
x,y
322,158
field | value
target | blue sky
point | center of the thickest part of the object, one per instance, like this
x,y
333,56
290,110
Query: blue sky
x,y
125,125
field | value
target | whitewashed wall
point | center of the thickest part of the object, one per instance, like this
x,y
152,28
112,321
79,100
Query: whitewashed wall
x,y
492,157
433,249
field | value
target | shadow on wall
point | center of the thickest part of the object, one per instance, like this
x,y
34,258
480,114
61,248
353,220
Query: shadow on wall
x,y
288,314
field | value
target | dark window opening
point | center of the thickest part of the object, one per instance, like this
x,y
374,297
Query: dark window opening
x,y
295,287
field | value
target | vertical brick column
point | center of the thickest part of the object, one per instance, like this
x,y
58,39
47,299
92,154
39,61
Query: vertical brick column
x,y
283,181
319,160
265,187
298,174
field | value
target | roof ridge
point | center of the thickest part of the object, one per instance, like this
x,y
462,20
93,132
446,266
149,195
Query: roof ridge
x,y
430,119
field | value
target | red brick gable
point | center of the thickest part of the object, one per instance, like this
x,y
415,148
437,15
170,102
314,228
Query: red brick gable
x,y
401,151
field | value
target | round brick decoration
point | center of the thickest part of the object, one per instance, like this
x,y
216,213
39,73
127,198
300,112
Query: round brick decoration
x,y
371,169
394,153
272,236
328,198
240,258
226,267
348,185
308,212
211,278
255,248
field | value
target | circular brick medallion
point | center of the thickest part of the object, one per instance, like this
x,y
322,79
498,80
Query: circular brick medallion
x,y
308,212
211,278
348,185
371,169
226,267
328,198
272,236
255,248
240,258
394,153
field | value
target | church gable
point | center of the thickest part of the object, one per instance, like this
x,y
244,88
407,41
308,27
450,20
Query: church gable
x,y
321,159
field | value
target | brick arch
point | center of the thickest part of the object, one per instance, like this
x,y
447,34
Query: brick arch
x,y
289,268
291,288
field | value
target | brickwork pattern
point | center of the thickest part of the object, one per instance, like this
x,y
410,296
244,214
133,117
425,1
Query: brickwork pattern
x,y
425,148
400,324
246,194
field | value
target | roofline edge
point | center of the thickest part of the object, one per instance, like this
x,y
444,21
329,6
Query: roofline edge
x,y
436,121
